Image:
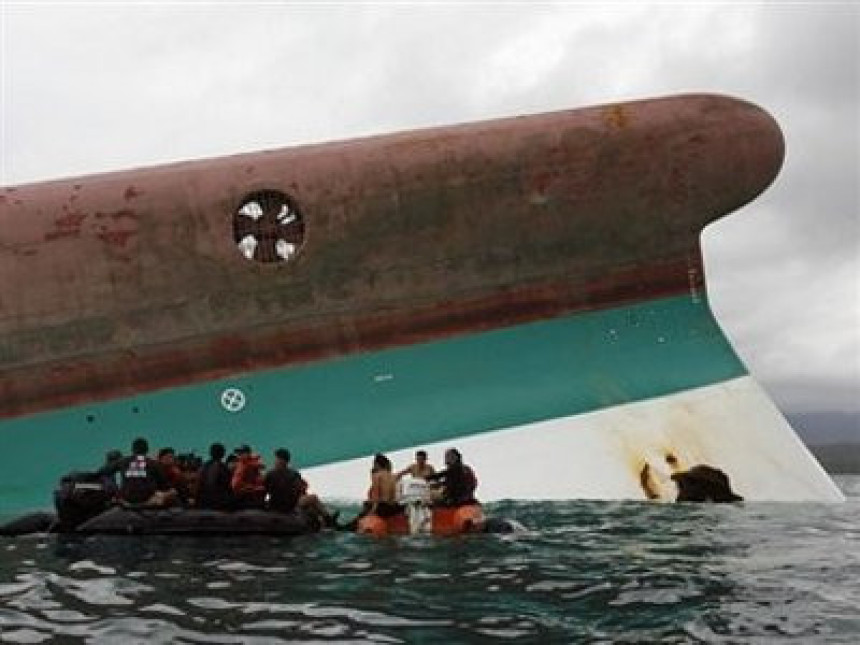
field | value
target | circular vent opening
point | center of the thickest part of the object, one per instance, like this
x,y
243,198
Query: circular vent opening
x,y
267,227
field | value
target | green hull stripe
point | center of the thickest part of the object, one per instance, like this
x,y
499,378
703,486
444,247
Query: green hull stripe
x,y
348,407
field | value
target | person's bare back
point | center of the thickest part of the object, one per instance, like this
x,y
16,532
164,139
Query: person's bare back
x,y
383,487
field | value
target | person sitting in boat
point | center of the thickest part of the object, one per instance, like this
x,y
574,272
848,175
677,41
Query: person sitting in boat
x,y
143,482
189,465
247,483
457,482
382,494
286,490
230,462
213,482
108,473
420,469
284,485
175,477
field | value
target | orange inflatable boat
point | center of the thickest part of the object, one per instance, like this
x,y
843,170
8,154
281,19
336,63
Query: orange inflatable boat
x,y
437,520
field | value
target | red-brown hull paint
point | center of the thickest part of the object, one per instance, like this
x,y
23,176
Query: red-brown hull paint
x,y
130,282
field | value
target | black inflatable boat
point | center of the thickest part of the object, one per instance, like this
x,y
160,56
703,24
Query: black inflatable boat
x,y
170,521
85,505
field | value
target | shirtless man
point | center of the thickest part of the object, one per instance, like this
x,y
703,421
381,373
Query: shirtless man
x,y
382,494
420,469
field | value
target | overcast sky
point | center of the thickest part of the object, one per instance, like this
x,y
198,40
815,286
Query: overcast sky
x,y
88,87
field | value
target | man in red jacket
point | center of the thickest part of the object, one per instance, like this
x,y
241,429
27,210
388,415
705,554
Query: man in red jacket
x,y
249,491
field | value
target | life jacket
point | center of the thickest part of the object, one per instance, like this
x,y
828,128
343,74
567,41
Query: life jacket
x,y
248,476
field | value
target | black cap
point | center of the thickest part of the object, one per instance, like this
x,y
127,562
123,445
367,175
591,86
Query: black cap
x,y
283,453
243,449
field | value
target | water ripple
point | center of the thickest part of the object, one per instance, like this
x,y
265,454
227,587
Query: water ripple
x,y
583,572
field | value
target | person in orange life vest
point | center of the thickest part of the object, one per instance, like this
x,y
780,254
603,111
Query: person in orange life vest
x,y
248,487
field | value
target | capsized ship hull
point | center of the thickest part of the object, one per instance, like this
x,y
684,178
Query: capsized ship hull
x,y
530,290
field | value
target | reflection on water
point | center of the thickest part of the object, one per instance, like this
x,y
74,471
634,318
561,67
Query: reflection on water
x,y
584,571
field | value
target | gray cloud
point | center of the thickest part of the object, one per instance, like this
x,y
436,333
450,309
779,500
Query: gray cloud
x,y
91,88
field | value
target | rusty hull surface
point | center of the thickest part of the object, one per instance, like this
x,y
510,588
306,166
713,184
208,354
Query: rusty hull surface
x,y
131,281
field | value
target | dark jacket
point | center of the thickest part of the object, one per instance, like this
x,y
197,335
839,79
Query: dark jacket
x,y
284,487
140,477
458,485
213,486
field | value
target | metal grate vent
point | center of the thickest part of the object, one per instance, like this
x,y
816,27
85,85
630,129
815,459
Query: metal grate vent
x,y
267,227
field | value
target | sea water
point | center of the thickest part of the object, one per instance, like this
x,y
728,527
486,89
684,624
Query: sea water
x,y
590,572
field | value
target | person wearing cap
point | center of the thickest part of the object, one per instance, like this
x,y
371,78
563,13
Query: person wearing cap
x,y
286,491
247,483
420,469
213,482
457,482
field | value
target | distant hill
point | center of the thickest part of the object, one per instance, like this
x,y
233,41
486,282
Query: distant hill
x,y
838,458
833,437
820,428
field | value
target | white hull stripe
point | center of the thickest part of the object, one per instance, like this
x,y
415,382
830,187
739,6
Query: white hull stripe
x,y
601,455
